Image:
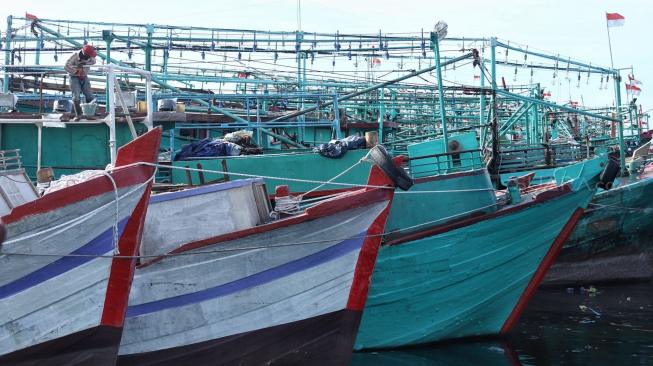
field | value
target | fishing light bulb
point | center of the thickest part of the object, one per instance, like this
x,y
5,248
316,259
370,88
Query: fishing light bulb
x,y
441,28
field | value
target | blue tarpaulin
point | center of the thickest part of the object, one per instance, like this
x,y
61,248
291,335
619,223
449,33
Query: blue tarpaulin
x,y
208,147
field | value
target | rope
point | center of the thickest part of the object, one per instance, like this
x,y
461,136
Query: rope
x,y
262,246
338,175
116,247
70,223
299,180
287,204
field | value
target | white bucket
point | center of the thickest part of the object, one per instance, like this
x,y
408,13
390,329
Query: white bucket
x,y
88,109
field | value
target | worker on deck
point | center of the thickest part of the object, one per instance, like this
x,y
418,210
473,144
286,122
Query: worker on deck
x,y
79,82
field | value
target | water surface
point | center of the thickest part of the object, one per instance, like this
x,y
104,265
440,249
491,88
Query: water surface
x,y
602,325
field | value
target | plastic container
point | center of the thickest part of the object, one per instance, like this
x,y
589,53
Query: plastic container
x,y
88,109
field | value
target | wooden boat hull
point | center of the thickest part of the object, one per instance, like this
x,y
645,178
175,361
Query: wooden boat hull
x,y
612,240
468,277
288,292
320,340
61,288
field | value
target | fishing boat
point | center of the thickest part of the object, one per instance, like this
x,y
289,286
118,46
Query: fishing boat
x,y
612,240
63,283
224,283
462,263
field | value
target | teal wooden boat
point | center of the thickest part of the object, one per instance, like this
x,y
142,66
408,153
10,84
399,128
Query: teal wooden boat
x,y
612,241
473,267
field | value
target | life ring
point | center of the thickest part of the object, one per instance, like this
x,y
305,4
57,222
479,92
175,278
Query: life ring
x,y
383,160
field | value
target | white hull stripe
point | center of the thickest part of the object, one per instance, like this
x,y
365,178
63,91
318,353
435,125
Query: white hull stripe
x,y
257,279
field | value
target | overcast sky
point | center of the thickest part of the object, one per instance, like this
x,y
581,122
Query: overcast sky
x,y
571,28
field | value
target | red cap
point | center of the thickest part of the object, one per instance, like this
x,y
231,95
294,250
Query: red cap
x,y
89,50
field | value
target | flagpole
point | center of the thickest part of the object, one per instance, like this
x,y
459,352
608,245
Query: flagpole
x,y
607,26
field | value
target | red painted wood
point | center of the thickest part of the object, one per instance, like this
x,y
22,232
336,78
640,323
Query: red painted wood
x,y
370,249
141,149
122,269
537,278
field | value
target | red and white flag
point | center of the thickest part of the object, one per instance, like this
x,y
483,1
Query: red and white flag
x,y
29,16
546,94
633,89
615,19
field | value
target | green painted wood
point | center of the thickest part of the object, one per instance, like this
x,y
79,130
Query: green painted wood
x,y
443,199
619,220
464,282
67,150
429,166
291,165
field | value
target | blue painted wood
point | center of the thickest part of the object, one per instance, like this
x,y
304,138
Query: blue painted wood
x,y
203,190
100,245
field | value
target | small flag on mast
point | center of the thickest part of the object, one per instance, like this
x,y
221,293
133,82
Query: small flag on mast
x,y
633,89
615,19
29,16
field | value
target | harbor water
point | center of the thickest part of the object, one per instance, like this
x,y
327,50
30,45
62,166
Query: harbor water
x,y
602,325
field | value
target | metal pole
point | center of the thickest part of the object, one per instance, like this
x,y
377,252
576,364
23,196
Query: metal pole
x,y
481,113
609,42
37,57
381,113
620,125
5,84
39,127
438,72
111,97
493,65
148,48
371,88
110,90
149,119
336,117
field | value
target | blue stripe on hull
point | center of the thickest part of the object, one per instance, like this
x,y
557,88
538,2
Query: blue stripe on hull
x,y
101,245
257,279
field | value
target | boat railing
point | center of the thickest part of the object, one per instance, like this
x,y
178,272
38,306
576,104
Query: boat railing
x,y
529,156
445,163
542,156
10,160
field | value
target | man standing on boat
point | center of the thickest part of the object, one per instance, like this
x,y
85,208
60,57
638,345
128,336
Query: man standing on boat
x,y
79,82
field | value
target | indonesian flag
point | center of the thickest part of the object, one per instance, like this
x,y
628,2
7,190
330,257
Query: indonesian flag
x,y
615,19
633,89
29,16
633,81
546,94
